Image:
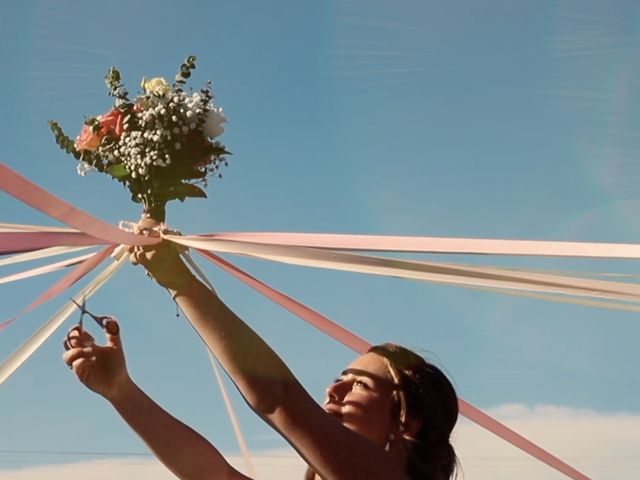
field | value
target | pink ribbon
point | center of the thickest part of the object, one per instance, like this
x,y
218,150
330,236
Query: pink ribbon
x,y
63,284
28,192
52,267
314,318
95,229
16,242
360,345
494,426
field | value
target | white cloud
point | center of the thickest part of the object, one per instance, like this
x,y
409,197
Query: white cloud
x,y
282,465
601,445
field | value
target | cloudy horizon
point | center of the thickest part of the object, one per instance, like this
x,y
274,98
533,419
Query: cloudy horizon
x,y
600,444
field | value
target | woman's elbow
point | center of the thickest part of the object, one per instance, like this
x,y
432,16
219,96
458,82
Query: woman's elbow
x,y
267,395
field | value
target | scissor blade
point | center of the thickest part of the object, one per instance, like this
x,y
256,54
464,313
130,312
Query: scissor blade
x,y
81,307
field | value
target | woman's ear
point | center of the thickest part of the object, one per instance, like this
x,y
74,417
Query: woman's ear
x,y
410,427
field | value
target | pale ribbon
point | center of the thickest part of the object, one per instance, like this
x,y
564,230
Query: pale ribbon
x,y
235,423
16,359
63,284
429,271
29,193
361,346
38,254
472,246
52,267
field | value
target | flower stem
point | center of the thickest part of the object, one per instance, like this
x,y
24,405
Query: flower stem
x,y
155,212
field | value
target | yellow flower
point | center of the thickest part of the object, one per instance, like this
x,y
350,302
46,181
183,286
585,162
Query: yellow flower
x,y
156,86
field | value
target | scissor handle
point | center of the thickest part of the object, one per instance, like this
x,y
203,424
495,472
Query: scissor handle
x,y
111,327
108,324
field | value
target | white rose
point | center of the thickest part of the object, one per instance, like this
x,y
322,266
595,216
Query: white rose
x,y
213,123
156,86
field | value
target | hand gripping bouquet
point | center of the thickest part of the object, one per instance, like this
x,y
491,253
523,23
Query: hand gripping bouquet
x,y
162,145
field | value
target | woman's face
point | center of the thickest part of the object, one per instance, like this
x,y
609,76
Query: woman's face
x,y
362,398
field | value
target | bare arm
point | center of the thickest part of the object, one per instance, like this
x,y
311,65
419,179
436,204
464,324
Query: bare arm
x,y
185,452
266,383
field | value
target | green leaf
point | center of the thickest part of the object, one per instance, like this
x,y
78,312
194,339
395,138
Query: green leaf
x,y
221,150
179,192
113,76
190,190
64,142
118,171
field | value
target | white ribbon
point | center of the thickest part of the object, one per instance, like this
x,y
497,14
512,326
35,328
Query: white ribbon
x,y
474,277
38,254
17,358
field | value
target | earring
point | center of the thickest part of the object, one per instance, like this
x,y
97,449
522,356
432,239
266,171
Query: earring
x,y
390,440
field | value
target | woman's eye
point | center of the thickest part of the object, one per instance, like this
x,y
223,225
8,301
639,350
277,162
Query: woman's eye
x,y
360,384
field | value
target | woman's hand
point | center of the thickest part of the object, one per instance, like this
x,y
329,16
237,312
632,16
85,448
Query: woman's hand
x,y
162,261
101,368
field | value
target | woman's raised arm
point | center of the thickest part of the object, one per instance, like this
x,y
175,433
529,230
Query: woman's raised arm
x,y
266,383
102,368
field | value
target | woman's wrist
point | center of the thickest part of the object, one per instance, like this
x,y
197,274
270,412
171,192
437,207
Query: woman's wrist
x,y
180,286
123,392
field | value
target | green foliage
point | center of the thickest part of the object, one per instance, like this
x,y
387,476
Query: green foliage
x,y
118,171
116,87
62,140
185,71
179,191
161,156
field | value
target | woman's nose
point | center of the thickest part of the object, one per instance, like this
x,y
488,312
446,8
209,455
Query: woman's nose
x,y
336,391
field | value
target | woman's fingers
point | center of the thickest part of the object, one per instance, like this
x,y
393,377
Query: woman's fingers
x,y
161,261
76,356
131,250
136,255
78,337
141,255
112,330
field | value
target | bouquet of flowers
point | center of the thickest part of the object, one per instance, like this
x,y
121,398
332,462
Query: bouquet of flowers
x,y
161,145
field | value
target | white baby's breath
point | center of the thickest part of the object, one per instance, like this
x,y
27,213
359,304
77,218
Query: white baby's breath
x,y
165,133
84,168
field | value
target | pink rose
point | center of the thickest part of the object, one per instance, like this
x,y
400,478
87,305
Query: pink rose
x,y
111,124
88,139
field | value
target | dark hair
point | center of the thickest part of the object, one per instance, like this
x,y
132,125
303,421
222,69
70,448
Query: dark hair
x,y
424,395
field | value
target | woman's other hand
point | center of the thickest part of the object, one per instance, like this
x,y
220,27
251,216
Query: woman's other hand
x,y
101,368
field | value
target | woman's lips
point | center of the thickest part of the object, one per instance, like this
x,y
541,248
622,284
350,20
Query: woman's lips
x,y
334,412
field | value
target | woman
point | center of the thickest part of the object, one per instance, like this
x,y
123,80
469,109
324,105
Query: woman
x,y
389,415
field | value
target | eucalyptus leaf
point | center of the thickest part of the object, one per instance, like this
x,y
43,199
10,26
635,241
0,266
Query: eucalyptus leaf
x,y
196,159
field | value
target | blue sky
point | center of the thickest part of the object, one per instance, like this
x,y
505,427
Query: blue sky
x,y
495,119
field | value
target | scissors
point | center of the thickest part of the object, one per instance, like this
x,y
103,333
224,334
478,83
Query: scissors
x,y
111,328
